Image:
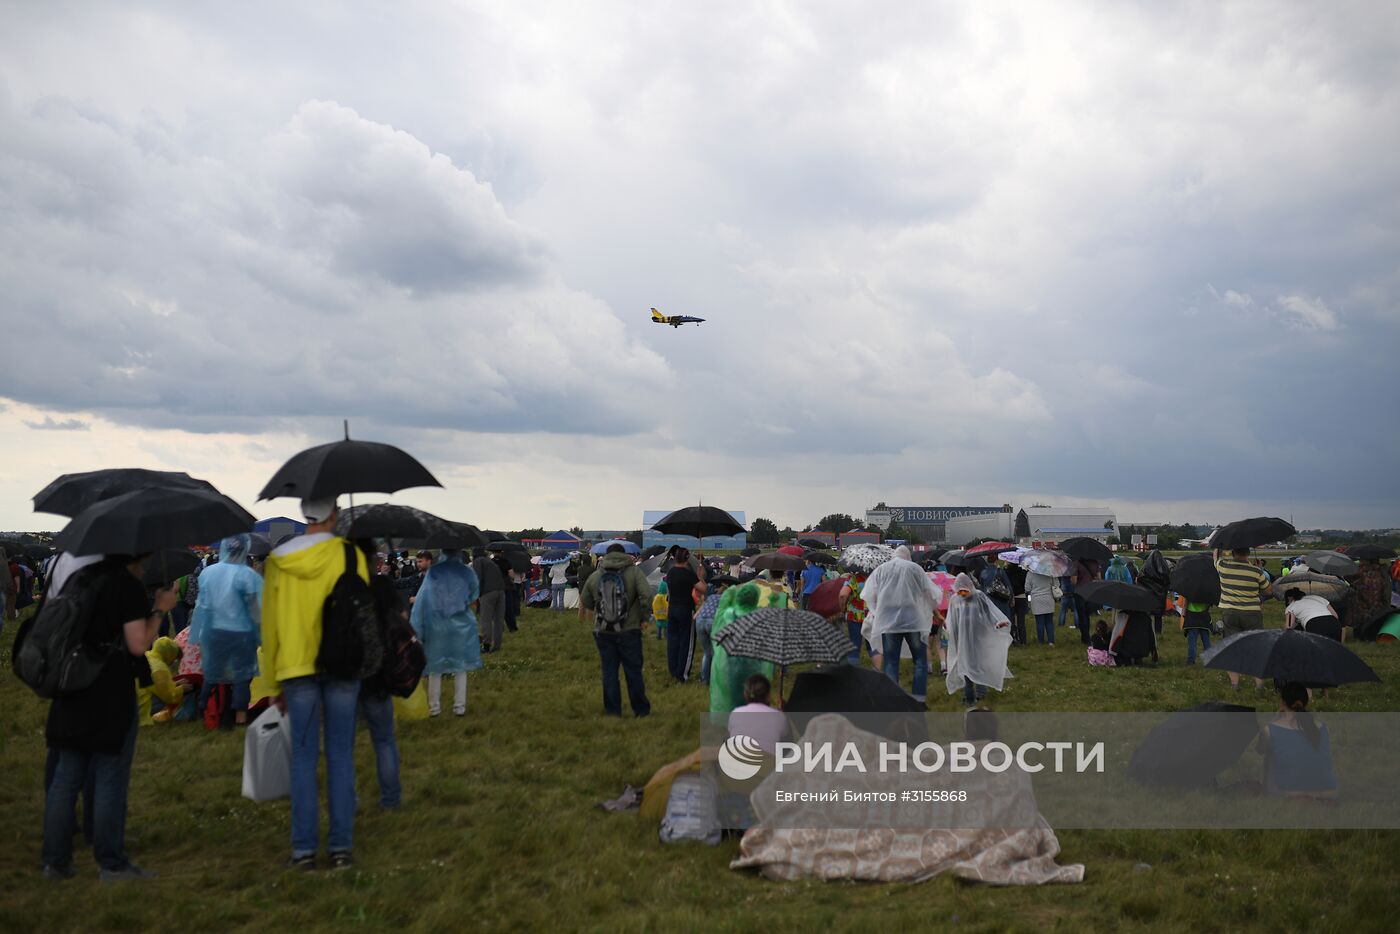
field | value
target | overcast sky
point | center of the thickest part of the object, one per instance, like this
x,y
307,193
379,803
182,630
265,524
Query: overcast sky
x,y
1145,256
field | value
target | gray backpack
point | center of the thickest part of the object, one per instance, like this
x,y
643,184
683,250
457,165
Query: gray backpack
x,y
612,601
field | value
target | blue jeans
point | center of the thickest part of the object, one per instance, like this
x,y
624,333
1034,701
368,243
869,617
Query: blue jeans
x,y
1045,628
853,631
314,704
556,596
891,645
1191,635
1074,602
680,642
707,645
110,780
973,693
624,649
378,714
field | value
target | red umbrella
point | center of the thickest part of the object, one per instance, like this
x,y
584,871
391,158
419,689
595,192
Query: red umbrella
x,y
987,548
796,550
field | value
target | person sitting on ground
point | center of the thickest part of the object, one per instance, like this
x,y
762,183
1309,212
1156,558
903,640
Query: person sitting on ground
x,y
162,657
1297,750
1133,637
1099,656
758,717
1311,613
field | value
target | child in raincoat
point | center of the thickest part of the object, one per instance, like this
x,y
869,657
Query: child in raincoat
x,y
660,609
164,654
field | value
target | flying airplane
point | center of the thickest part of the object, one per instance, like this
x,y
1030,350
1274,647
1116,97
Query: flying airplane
x,y
674,321
1199,542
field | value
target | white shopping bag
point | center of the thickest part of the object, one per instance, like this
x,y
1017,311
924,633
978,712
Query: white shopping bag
x,y
267,757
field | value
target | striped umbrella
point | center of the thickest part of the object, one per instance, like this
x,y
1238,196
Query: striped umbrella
x,y
784,637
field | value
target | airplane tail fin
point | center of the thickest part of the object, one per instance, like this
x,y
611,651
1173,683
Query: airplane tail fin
x,y
657,316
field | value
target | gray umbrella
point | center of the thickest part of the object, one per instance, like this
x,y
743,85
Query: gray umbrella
x,y
1325,586
784,637
1331,562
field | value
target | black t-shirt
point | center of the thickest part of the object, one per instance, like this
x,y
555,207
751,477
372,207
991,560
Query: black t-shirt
x,y
679,582
97,720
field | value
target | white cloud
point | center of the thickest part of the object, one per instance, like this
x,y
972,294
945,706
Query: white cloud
x,y
1309,312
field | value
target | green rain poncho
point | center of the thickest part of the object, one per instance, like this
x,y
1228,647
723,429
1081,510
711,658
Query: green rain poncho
x,y
727,675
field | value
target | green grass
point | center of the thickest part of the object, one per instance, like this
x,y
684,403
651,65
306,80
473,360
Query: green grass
x,y
499,828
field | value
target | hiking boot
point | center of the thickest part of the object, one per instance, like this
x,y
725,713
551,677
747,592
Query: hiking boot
x,y
304,863
130,872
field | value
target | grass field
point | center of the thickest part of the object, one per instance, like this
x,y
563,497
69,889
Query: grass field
x,y
499,828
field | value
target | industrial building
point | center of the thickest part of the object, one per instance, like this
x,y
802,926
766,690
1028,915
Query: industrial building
x,y
1035,525
652,537
927,523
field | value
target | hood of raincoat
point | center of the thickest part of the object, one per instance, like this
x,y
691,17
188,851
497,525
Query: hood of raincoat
x,y
166,649
979,636
615,562
234,549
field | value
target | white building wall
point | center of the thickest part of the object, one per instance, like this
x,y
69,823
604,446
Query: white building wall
x,y
963,529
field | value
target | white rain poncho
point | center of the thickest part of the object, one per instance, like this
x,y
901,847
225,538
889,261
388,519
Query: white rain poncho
x,y
979,636
443,618
899,597
227,623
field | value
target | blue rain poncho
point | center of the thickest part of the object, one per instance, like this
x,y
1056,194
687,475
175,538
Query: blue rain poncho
x,y
1118,571
443,618
227,624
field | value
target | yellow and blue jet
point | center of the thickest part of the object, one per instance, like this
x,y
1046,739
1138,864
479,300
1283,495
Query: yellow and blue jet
x,y
674,321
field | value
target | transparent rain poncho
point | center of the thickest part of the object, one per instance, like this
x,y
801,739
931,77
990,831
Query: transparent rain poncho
x,y
899,597
976,646
228,615
443,618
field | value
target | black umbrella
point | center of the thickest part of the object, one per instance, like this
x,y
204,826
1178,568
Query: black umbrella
x,y
784,637
733,559
506,545
259,545
1191,747
777,561
71,493
813,543
388,520
848,689
1196,579
699,522
169,565
1087,549
29,550
456,536
147,520
722,579
1290,655
1331,562
347,467
954,558
491,535
653,550
1251,533
1120,595
825,559
1370,552
751,551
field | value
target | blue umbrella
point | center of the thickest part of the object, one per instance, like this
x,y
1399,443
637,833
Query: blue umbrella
x,y
554,557
602,547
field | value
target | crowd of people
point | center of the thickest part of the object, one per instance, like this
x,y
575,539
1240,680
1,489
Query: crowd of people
x,y
241,633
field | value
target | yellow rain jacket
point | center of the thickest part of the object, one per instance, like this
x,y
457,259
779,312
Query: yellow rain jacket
x,y
298,578
163,654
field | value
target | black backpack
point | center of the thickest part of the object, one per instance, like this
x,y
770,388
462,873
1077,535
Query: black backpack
x,y
352,648
612,600
405,659
50,654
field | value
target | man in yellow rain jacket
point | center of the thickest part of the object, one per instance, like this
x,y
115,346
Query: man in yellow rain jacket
x,y
300,574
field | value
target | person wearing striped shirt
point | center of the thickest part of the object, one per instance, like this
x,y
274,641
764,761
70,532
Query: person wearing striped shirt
x,y
1243,587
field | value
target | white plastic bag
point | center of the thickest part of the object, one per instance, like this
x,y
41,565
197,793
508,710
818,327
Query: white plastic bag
x,y
267,757
692,811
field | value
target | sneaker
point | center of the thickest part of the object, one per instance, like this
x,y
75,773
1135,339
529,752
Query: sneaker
x,y
304,863
342,860
55,874
130,872
460,713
